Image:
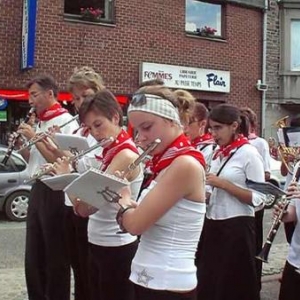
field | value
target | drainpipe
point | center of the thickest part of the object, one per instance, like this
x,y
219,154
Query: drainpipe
x,y
264,68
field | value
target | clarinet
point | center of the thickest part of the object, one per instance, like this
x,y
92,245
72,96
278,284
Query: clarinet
x,y
264,254
14,140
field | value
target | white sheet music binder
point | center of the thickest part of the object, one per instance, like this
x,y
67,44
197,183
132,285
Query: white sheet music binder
x,y
92,185
266,188
59,182
71,142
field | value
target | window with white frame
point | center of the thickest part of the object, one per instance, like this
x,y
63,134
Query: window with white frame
x,y
204,18
295,45
90,10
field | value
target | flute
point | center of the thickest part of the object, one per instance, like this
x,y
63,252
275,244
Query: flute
x,y
37,138
46,170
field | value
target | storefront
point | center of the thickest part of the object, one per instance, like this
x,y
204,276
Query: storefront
x,y
209,86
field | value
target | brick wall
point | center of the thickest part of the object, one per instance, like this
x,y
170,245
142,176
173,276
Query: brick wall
x,y
151,31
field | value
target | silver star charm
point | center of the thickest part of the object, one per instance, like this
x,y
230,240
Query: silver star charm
x,y
144,278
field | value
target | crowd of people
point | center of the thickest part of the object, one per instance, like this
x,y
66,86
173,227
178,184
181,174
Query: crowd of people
x,y
185,227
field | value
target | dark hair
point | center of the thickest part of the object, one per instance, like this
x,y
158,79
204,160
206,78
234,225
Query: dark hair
x,y
103,102
46,82
156,81
227,114
295,121
251,116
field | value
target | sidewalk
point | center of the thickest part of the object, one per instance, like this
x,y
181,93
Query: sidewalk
x,y
12,281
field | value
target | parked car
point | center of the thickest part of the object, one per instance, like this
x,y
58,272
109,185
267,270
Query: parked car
x,y
277,179
14,193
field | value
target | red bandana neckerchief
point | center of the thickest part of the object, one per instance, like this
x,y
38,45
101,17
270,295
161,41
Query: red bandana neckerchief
x,y
203,140
54,111
123,141
252,136
180,146
225,151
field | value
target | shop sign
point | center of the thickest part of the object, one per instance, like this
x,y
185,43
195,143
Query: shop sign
x,y
28,34
3,116
3,104
188,78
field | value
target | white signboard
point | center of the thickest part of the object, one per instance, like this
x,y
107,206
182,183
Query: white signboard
x,y
187,78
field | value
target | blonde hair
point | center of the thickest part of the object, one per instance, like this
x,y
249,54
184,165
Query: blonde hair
x,y
86,77
183,100
186,105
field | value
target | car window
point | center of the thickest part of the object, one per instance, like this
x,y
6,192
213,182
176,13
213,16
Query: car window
x,y
19,164
14,164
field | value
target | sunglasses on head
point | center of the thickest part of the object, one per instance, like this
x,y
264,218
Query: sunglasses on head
x,y
141,99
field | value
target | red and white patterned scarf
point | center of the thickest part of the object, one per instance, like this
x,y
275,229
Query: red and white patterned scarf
x,y
54,111
123,141
225,151
205,139
180,146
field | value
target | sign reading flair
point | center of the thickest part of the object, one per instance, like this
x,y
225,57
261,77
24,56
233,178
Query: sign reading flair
x,y
28,34
187,78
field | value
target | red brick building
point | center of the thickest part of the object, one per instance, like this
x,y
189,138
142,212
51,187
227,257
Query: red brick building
x,y
130,33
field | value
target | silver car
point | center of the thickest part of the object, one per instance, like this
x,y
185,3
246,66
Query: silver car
x,y
14,194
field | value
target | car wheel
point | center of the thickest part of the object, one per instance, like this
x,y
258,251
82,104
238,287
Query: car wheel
x,y
270,201
16,206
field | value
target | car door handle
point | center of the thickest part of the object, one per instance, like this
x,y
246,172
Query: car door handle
x,y
11,180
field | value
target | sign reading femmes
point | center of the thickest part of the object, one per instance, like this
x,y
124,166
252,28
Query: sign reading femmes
x,y
180,77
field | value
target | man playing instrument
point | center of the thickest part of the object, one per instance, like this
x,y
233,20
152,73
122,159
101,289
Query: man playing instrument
x,y
46,268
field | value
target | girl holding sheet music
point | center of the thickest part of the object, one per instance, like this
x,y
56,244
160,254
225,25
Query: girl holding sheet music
x,y
226,252
171,209
110,253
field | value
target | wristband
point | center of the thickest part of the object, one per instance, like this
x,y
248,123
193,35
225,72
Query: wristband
x,y
119,217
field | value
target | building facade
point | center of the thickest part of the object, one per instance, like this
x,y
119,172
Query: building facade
x,y
212,48
283,63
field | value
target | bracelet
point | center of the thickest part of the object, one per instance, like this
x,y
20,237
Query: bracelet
x,y
119,217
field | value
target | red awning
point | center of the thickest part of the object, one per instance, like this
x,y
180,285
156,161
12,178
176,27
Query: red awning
x,y
22,95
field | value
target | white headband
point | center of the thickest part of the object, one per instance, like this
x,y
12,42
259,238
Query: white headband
x,y
155,105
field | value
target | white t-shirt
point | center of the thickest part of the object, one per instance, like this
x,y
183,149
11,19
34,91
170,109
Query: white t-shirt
x,y
165,259
262,147
246,163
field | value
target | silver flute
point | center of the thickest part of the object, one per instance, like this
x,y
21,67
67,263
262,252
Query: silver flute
x,y
142,157
49,167
40,136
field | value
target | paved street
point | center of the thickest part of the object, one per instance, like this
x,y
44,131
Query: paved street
x,y
12,282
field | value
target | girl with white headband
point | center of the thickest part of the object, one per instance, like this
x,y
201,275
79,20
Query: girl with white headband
x,y
170,211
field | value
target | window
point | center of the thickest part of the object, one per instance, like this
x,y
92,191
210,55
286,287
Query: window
x,y
295,45
203,18
14,164
104,10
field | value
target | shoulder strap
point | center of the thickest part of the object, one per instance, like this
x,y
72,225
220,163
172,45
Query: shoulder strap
x,y
227,160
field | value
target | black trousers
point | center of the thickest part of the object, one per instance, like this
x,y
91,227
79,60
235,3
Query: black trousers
x,y
290,284
142,293
259,216
110,270
225,260
77,243
46,265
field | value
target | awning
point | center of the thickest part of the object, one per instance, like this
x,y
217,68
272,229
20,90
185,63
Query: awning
x,y
22,95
